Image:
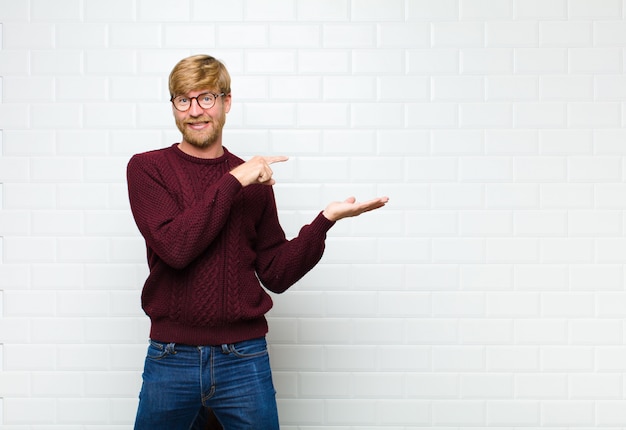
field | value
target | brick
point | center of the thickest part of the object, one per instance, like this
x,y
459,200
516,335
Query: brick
x,y
136,35
458,34
432,115
350,142
486,386
457,304
277,10
512,358
522,305
486,169
392,35
370,331
113,11
314,384
295,36
31,90
595,332
433,61
541,9
573,88
510,34
33,249
540,169
481,223
541,60
347,88
559,413
386,62
609,33
479,277
14,62
81,36
485,115
570,142
424,10
19,35
567,250
465,250
565,34
51,170
110,62
514,412
458,88
595,60
18,411
59,115
523,88
232,35
537,332
544,277
14,169
595,9
163,11
594,169
511,142
29,304
540,115
512,196
567,358
458,412
485,10
323,61
486,61
540,223
297,89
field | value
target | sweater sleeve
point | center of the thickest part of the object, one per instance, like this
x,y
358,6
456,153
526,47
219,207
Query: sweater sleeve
x,y
176,234
281,262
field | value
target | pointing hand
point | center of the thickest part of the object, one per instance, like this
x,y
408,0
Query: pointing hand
x,y
257,170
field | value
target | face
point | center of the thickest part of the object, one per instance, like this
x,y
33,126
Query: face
x,y
200,127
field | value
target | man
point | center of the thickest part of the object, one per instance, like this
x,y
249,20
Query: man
x,y
212,234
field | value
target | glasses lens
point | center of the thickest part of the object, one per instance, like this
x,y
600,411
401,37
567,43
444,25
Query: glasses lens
x,y
206,101
182,103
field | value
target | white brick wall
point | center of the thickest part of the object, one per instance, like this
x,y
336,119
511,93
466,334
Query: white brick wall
x,y
489,293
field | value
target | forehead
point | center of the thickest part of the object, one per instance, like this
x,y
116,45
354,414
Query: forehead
x,y
195,93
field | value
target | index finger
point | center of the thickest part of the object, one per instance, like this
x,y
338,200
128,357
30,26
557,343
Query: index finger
x,y
276,159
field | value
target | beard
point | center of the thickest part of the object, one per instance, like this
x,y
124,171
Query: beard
x,y
201,138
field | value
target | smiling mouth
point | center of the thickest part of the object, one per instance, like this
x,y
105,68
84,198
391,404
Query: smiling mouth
x,y
198,125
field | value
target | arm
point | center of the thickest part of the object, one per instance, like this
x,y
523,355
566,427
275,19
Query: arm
x,y
280,262
282,265
177,235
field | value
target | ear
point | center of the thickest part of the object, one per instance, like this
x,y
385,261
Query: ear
x,y
227,102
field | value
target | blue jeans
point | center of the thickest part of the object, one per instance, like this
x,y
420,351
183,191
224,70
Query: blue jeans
x,y
181,381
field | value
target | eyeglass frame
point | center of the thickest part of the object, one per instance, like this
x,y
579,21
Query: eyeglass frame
x,y
191,99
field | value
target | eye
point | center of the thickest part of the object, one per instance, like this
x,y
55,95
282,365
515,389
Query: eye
x,y
207,98
183,100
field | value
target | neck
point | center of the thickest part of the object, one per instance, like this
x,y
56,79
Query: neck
x,y
214,150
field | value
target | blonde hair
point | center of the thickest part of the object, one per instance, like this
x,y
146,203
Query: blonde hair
x,y
199,72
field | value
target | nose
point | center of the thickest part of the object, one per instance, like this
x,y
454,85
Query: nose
x,y
195,109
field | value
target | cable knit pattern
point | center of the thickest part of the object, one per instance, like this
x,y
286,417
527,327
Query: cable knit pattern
x,y
209,243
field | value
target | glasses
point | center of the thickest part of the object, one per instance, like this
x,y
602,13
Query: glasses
x,y
205,101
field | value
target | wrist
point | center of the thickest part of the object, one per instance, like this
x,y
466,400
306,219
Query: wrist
x,y
329,216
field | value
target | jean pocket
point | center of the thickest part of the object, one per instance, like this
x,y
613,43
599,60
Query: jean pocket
x,y
158,350
249,348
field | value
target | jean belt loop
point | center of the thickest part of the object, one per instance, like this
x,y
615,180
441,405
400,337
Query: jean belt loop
x,y
225,349
170,348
